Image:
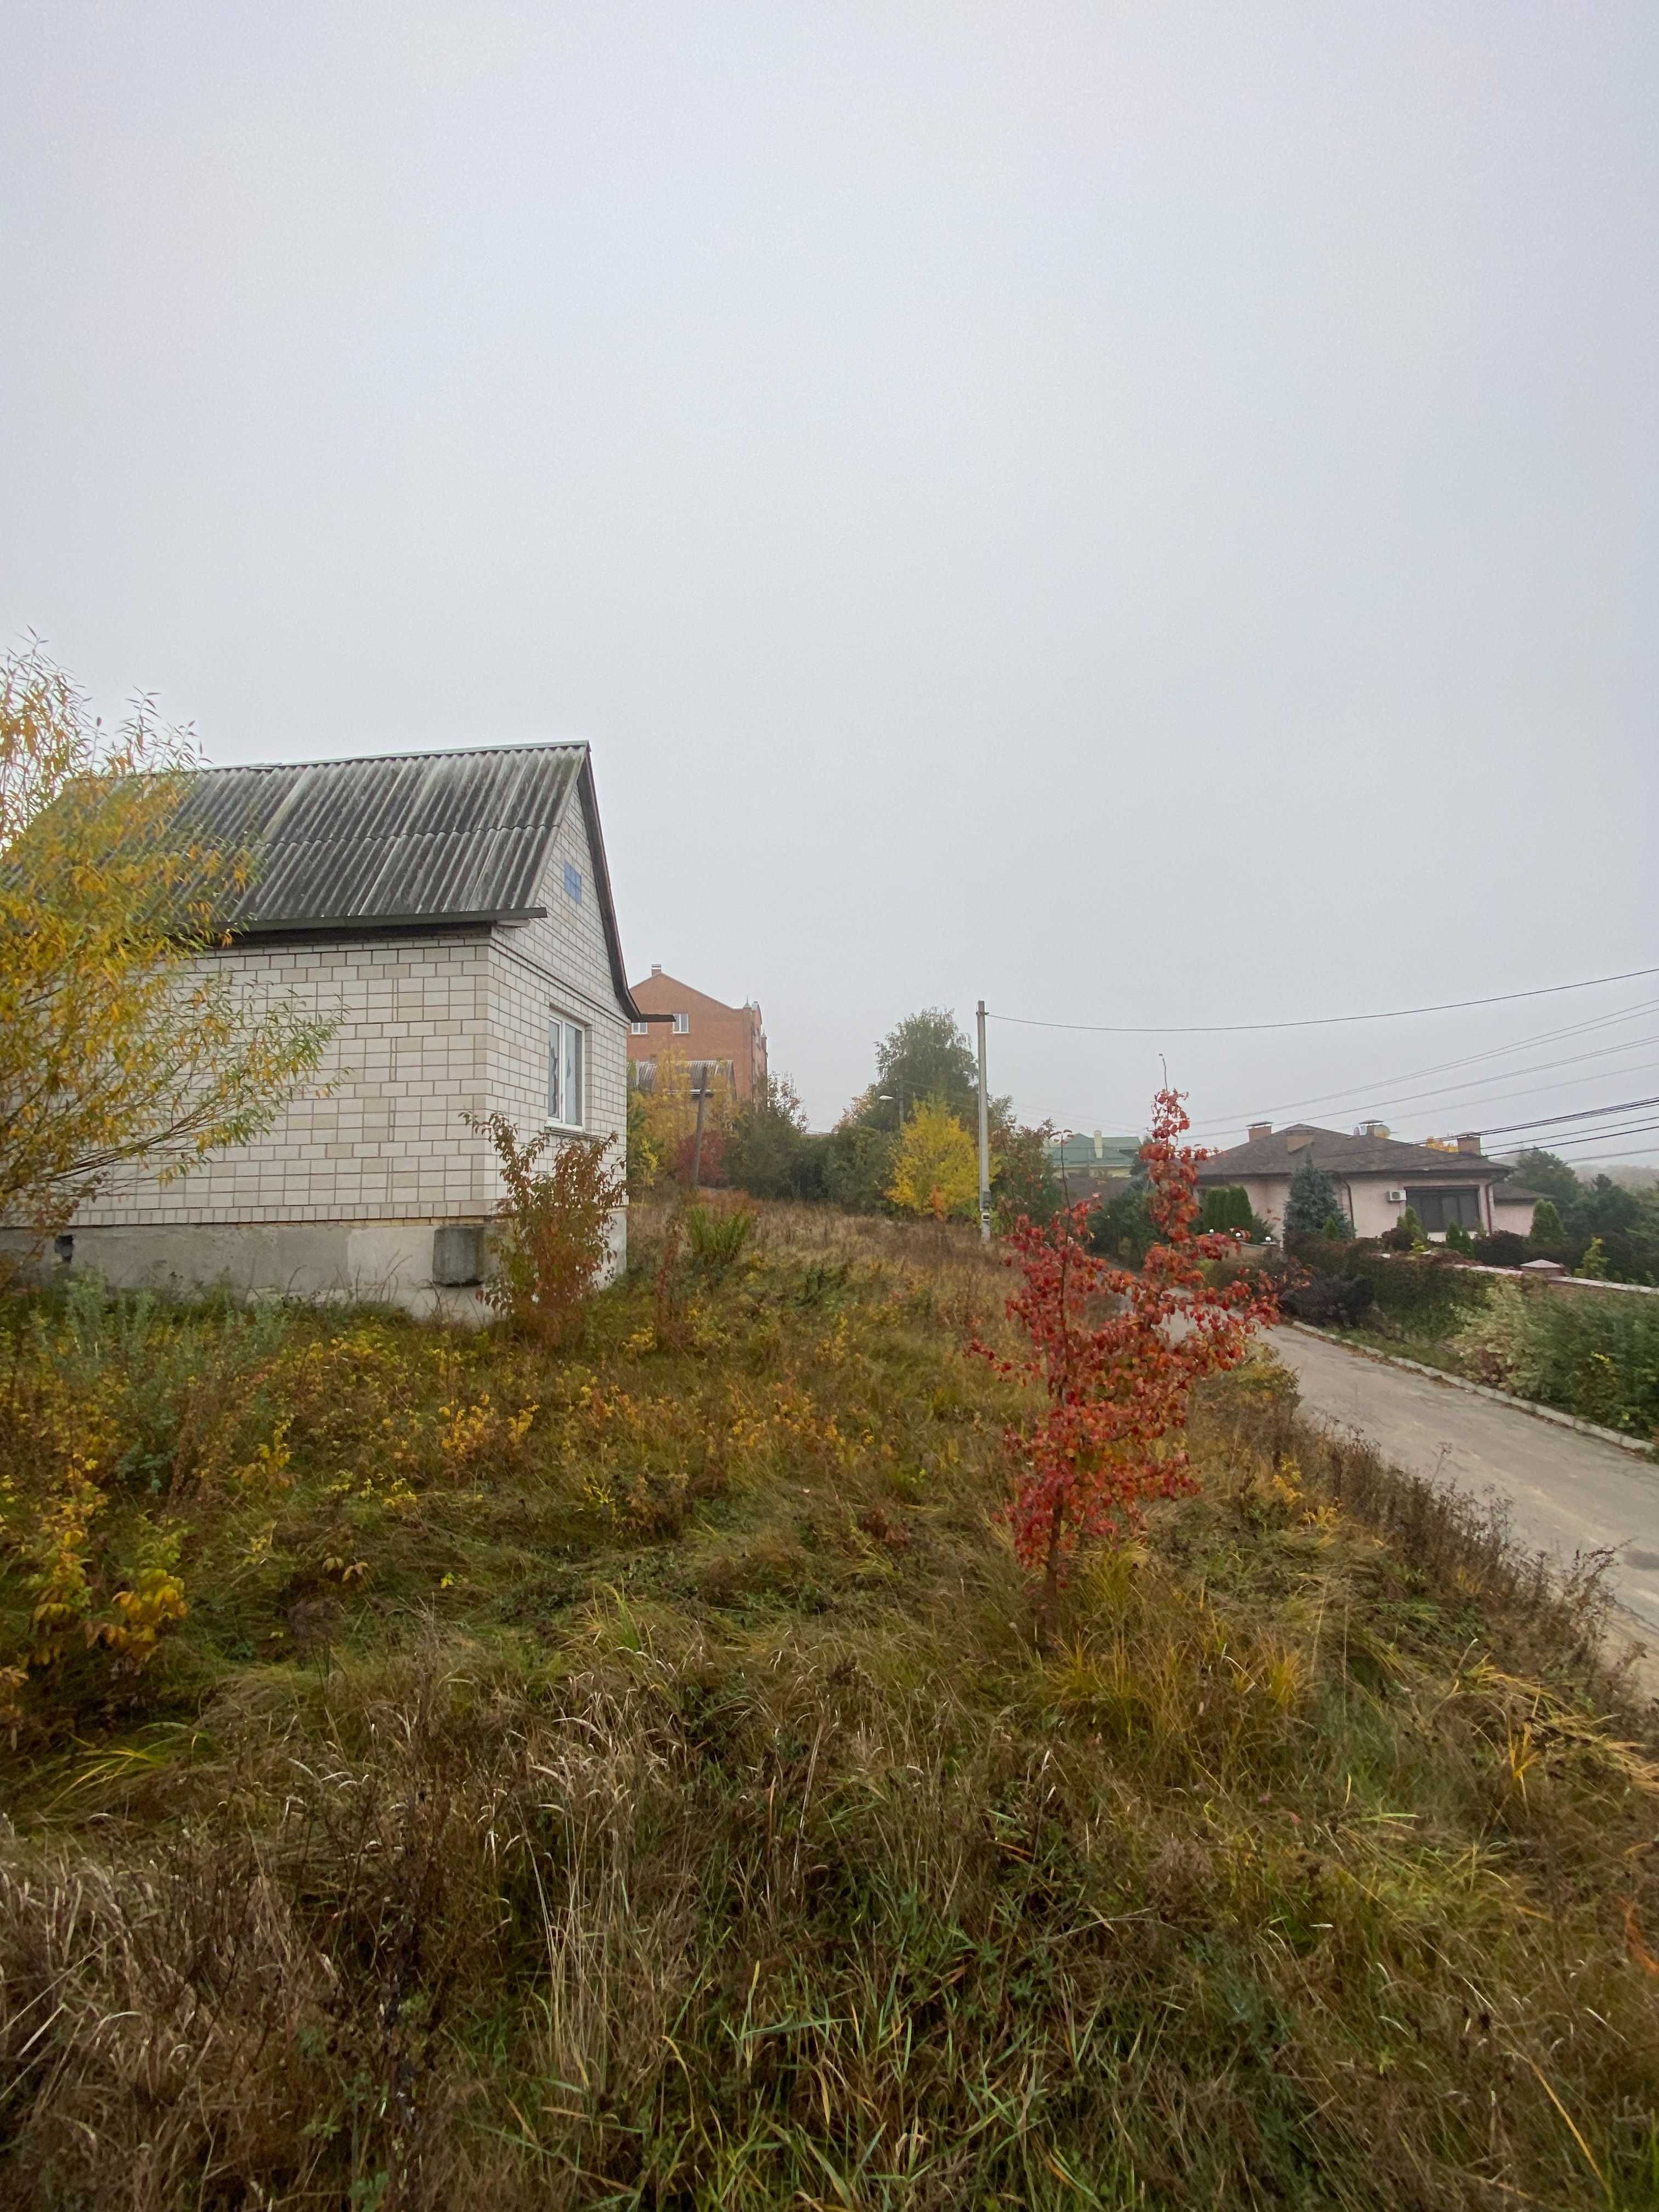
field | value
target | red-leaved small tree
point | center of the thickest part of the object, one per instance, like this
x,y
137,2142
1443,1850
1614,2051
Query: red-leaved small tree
x,y
1116,1387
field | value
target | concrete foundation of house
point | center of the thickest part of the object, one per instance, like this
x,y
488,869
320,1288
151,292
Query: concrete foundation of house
x,y
433,1269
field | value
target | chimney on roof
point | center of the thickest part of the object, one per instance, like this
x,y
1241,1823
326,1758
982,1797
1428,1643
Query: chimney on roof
x,y
656,967
1260,1129
1468,1140
1372,1129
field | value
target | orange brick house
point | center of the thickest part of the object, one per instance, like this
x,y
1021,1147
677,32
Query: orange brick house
x,y
722,1039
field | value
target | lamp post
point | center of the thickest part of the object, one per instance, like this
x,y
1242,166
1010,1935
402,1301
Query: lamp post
x,y
984,1135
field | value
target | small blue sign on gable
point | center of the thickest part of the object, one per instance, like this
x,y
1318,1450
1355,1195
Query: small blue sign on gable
x,y
572,881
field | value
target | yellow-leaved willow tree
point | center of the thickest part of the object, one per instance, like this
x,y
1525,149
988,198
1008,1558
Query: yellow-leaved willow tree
x,y
119,1043
936,1169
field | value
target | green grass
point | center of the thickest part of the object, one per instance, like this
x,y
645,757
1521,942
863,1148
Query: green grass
x,y
658,1800
1431,1351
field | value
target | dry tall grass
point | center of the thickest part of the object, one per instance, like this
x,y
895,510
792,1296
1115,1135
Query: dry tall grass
x,y
675,1812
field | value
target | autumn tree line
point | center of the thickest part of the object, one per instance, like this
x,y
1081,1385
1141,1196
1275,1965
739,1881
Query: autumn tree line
x,y
907,1144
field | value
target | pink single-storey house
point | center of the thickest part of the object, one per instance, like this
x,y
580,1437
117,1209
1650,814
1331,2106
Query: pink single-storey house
x,y
1378,1177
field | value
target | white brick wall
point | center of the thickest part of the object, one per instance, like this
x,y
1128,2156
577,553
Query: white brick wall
x,y
558,965
430,1027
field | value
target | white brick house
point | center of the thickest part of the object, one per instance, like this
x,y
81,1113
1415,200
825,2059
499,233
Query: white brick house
x,y
453,913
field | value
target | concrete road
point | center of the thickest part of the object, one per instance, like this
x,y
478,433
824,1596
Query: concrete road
x,y
1570,1493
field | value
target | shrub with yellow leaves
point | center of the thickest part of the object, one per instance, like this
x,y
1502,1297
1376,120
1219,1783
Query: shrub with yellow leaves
x,y
59,1438
119,1043
936,1170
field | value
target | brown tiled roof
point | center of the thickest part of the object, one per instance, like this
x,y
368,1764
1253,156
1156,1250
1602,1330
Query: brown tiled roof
x,y
1286,1149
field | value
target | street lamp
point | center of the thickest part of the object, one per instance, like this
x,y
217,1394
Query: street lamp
x,y
1065,1137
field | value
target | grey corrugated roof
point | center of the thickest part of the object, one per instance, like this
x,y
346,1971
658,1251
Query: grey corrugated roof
x,y
1284,1151
408,837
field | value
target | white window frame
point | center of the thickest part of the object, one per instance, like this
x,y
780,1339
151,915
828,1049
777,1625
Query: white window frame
x,y
568,1055
641,1028
682,1024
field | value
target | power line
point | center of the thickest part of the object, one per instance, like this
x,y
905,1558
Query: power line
x,y
1378,1090
1319,1021
1584,1113
1600,1136
1521,1097
1454,1090
1382,1083
1208,1132
1505,1074
1626,1156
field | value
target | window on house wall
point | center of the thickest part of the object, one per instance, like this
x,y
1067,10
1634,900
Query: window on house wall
x,y
681,1024
567,1073
1437,1209
641,1028
572,881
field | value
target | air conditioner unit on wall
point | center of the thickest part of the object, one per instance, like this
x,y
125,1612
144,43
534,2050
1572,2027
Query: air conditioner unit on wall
x,y
1395,1197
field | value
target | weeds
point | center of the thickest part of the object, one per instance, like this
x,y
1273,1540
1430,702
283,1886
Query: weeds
x,y
1593,1355
670,1332
718,1235
674,1811
553,1227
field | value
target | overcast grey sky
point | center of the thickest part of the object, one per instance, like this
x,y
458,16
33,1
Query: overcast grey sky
x,y
1144,512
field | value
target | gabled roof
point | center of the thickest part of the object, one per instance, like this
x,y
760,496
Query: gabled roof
x,y
407,837
1283,1151
400,840
661,982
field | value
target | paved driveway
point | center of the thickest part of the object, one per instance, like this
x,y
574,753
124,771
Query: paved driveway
x,y
1570,1492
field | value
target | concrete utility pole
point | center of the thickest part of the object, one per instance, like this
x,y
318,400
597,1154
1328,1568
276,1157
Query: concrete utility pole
x,y
984,1140
696,1149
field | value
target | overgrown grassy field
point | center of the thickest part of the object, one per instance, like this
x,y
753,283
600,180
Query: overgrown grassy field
x,y
626,1779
